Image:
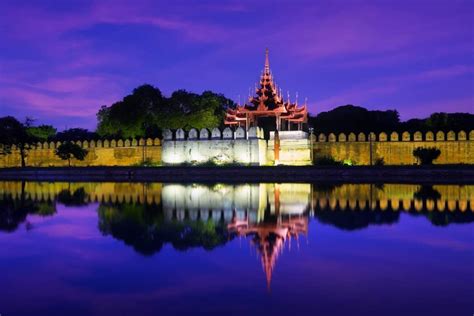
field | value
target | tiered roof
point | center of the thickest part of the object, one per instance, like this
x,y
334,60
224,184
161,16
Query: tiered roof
x,y
267,102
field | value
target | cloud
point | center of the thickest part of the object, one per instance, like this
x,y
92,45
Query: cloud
x,y
79,105
56,54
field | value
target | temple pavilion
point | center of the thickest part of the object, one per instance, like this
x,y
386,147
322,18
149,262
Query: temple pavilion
x,y
268,102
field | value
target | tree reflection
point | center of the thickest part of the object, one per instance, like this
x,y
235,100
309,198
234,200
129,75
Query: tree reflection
x,y
427,192
356,219
14,211
446,218
145,228
77,198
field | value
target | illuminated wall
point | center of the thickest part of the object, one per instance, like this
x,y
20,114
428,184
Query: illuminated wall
x,y
250,148
295,148
229,146
395,149
214,146
101,153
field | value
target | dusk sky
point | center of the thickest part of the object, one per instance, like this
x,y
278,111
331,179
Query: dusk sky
x,y
61,60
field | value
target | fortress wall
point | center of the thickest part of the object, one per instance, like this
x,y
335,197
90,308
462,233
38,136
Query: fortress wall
x,y
292,152
395,149
100,153
214,146
229,146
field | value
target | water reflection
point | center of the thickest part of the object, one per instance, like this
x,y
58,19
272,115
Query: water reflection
x,y
270,217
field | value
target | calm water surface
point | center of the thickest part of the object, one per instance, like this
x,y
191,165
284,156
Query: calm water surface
x,y
266,249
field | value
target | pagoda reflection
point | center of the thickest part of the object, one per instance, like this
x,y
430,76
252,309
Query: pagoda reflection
x,y
271,214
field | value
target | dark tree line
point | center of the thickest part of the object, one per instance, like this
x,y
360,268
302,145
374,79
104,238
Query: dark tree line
x,y
350,118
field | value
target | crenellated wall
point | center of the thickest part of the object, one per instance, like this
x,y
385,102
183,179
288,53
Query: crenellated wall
x,y
100,153
395,148
250,147
228,146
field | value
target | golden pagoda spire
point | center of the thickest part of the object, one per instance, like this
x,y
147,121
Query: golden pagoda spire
x,y
267,62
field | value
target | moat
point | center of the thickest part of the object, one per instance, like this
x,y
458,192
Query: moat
x,y
123,248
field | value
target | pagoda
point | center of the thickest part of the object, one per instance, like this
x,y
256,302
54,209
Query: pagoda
x,y
267,102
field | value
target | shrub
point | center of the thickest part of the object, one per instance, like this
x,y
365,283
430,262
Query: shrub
x,y
348,162
148,162
327,161
379,162
69,150
426,155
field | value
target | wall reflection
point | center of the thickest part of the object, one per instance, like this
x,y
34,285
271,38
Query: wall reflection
x,y
270,215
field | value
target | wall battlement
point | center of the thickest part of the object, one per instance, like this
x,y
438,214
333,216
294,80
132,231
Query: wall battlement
x,y
396,137
213,134
216,146
250,147
394,148
114,152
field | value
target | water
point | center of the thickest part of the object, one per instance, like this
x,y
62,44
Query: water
x,y
275,249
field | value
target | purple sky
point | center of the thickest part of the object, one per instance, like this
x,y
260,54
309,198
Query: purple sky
x,y
61,60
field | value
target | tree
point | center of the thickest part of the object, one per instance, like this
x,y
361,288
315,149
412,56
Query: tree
x,y
350,118
42,133
131,116
426,155
69,150
15,133
75,134
146,111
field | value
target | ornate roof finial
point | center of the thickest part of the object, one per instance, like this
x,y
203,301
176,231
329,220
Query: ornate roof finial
x,y
305,101
296,103
267,62
288,96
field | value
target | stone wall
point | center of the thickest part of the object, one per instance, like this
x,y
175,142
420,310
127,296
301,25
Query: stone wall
x,y
228,146
395,148
295,148
101,153
250,147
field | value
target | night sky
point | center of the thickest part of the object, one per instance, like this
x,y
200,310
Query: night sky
x,y
61,60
